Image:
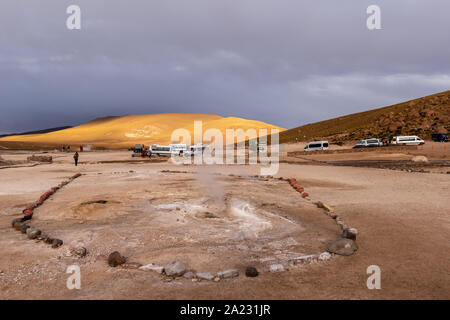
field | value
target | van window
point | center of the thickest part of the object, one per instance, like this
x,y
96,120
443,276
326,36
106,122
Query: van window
x,y
325,145
314,145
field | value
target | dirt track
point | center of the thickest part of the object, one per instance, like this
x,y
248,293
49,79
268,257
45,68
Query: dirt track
x,y
403,220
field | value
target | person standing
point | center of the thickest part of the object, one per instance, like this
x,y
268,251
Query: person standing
x,y
75,157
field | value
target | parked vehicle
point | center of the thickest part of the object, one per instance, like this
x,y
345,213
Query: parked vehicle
x,y
439,137
316,146
160,150
408,140
368,143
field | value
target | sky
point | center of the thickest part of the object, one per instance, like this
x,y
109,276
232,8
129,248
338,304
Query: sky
x,y
287,62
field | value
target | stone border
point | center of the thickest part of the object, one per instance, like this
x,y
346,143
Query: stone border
x,y
32,233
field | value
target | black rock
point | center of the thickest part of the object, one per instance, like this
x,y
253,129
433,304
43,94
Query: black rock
x,y
56,243
48,240
251,272
115,259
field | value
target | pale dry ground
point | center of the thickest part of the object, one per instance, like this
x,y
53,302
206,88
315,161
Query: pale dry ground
x,y
403,220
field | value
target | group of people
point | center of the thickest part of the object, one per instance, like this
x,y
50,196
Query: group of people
x,y
64,148
75,156
146,153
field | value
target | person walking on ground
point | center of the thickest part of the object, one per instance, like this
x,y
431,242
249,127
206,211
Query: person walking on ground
x,y
75,157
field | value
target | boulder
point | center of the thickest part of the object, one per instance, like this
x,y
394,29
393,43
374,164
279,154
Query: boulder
x,y
33,233
324,256
251,272
343,247
17,220
131,265
350,233
56,243
419,159
48,240
189,275
18,226
175,269
152,267
231,273
116,259
24,228
276,268
205,276
80,252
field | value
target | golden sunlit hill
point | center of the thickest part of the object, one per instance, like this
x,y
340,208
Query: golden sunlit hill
x,y
126,131
421,117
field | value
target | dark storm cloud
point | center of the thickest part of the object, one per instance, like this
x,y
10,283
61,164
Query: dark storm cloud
x,y
284,62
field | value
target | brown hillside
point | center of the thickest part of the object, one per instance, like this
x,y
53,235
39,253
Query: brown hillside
x,y
420,117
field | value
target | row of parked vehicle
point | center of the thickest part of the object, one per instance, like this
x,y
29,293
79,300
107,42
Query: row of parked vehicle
x,y
169,150
374,142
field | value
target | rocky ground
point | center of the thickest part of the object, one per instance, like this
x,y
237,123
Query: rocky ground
x,y
216,222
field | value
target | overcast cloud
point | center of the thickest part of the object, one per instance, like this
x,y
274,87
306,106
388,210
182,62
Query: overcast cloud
x,y
286,62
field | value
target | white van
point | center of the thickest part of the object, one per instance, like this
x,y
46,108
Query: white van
x,y
160,150
408,140
316,146
368,143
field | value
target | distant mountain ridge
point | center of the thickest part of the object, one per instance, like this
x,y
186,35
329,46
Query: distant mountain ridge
x,y
36,131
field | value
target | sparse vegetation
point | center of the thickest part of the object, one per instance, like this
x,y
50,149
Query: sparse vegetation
x,y
421,116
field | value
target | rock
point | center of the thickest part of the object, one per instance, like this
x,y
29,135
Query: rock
x,y
419,159
17,220
115,259
48,240
216,279
231,273
189,275
24,228
205,276
80,252
175,268
343,247
42,236
350,233
276,268
56,243
319,204
152,267
131,265
33,233
251,272
324,256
